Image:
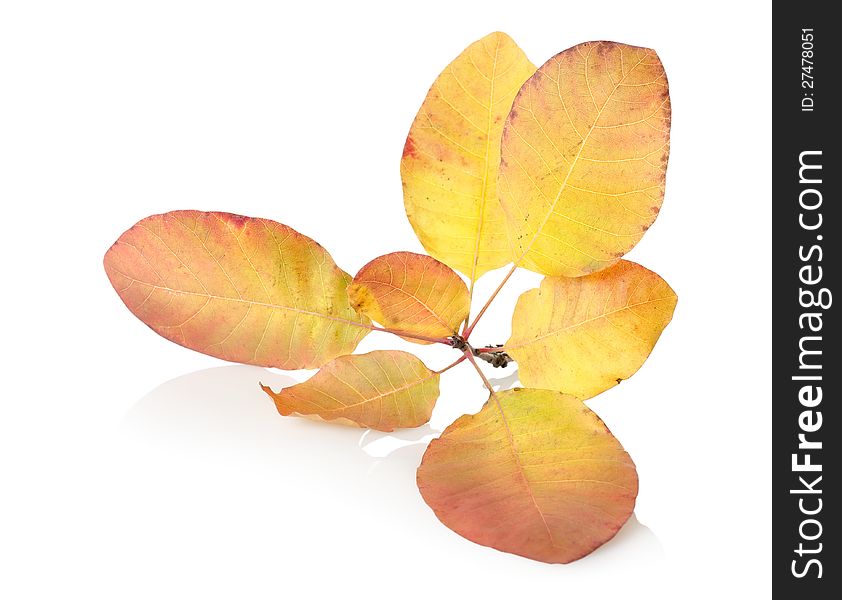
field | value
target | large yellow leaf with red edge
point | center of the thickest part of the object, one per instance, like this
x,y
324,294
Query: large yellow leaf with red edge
x,y
584,158
241,289
584,335
452,152
411,293
384,390
534,473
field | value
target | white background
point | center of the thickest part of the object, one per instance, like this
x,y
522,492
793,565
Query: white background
x,y
133,468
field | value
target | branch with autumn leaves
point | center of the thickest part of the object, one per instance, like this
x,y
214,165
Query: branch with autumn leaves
x,y
559,170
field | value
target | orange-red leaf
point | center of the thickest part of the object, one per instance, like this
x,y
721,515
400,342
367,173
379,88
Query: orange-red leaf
x,y
539,475
384,390
412,293
241,289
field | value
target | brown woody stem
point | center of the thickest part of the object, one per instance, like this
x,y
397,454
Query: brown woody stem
x,y
494,355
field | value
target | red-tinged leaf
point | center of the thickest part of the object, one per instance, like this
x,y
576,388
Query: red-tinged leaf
x,y
241,289
534,473
412,293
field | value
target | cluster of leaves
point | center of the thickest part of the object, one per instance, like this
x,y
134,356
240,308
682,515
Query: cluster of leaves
x,y
559,170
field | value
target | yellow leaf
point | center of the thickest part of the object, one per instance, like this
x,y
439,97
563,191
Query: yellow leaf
x,y
383,390
241,289
534,473
584,158
583,335
452,153
411,293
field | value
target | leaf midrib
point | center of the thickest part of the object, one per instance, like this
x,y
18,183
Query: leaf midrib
x,y
563,184
486,166
412,296
559,330
269,305
521,470
368,399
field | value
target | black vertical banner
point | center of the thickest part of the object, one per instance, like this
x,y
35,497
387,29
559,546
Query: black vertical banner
x,y
807,368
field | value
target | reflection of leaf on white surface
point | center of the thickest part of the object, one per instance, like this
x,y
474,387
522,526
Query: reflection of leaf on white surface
x,y
506,382
380,444
223,410
222,405
216,443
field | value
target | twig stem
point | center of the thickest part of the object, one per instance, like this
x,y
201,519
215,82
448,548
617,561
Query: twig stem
x,y
467,332
487,383
451,365
406,334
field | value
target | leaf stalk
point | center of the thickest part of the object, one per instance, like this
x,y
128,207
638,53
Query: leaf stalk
x,y
487,383
467,333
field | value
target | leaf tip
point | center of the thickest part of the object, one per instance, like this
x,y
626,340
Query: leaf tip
x,y
269,391
499,37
